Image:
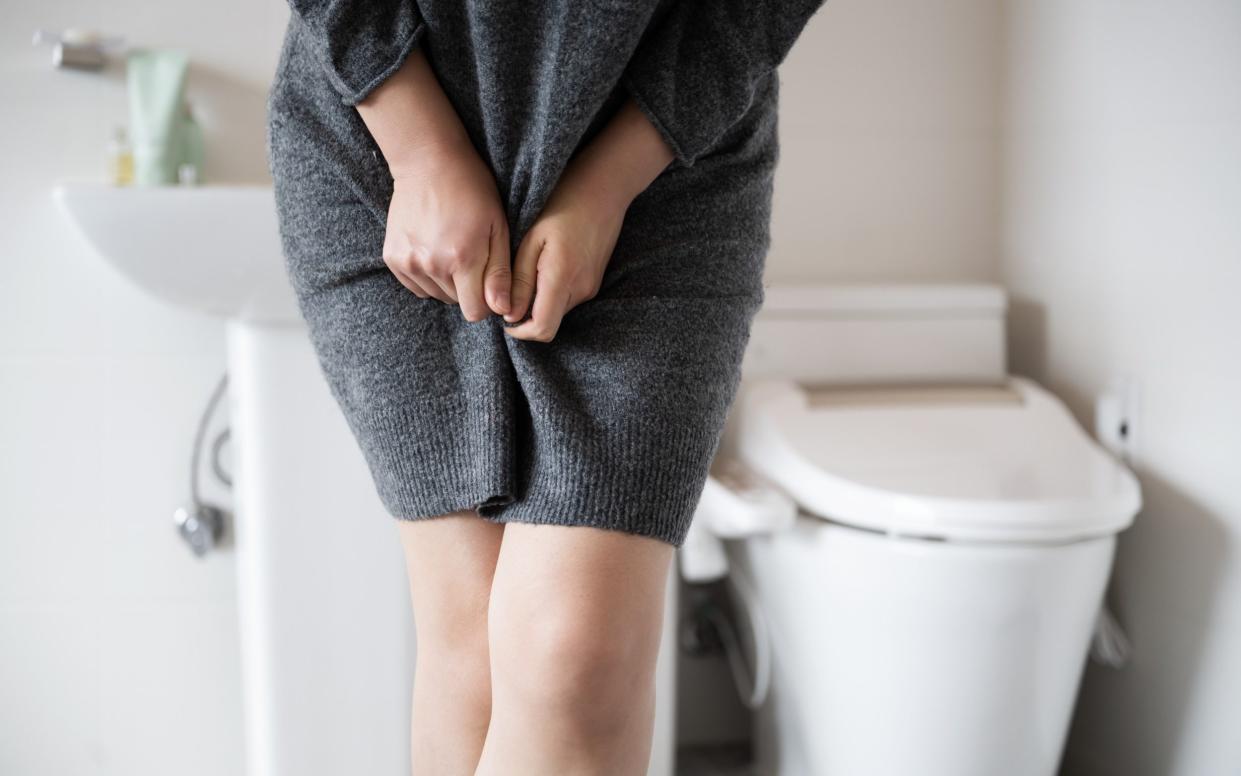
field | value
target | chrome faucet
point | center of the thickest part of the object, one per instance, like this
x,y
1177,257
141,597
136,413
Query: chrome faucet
x,y
78,49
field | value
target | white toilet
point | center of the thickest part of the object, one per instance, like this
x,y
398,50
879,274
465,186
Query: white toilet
x,y
930,606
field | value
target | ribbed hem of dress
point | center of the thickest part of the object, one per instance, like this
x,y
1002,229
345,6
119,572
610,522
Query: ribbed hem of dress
x,y
635,479
427,467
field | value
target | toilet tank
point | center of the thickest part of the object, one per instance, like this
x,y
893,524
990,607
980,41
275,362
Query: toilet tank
x,y
880,335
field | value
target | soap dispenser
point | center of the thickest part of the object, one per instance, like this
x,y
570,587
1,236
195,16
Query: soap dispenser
x,y
120,158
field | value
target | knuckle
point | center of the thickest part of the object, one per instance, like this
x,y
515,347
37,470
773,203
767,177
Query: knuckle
x,y
437,266
398,261
523,281
434,260
420,263
455,258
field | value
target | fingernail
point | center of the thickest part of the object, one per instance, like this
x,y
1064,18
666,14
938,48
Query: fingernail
x,y
502,301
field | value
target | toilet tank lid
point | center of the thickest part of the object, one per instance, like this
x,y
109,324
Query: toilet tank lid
x,y
1005,464
896,300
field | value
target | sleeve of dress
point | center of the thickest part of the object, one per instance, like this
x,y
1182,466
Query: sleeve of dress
x,y
360,43
695,72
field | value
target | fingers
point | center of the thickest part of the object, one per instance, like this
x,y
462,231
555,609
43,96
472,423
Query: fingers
x,y
469,288
497,275
525,270
414,286
446,288
410,273
484,286
479,287
552,300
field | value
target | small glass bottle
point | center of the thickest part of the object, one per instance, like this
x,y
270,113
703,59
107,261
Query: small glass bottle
x,y
120,159
190,170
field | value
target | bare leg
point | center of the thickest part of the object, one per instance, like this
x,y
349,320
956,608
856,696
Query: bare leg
x,y
450,561
574,627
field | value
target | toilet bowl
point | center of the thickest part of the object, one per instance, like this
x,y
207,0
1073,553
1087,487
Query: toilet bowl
x,y
929,608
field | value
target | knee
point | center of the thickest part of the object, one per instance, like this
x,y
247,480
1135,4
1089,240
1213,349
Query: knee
x,y
583,671
460,677
452,651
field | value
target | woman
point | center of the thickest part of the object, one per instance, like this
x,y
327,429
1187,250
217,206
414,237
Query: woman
x,y
528,239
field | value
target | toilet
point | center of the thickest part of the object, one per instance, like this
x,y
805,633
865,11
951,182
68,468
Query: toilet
x,y
928,598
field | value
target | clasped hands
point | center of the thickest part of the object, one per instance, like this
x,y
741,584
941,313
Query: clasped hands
x,y
448,239
447,236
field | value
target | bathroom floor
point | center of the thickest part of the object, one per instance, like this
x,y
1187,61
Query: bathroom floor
x,y
715,761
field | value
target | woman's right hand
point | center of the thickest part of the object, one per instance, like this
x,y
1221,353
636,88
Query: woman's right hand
x,y
447,235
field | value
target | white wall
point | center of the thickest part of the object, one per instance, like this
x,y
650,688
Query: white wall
x,y
118,651
1122,242
889,134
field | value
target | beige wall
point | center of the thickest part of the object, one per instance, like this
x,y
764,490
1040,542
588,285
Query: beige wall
x,y
889,132
1122,244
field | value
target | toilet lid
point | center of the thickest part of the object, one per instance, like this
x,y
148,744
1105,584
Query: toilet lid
x,y
1007,463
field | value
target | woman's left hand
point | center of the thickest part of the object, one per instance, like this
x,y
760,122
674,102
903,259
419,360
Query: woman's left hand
x,y
561,259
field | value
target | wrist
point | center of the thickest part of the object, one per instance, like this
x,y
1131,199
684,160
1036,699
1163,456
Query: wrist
x,y
626,156
594,177
412,121
425,158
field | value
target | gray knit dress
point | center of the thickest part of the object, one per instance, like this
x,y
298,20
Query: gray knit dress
x,y
614,423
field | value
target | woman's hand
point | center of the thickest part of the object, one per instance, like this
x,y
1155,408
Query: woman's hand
x,y
447,235
561,260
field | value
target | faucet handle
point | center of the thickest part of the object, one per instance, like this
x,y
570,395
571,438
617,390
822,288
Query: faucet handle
x,y
201,526
78,48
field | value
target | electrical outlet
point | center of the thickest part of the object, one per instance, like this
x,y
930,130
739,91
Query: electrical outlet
x,y
1117,418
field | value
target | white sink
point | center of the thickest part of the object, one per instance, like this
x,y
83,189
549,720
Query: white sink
x,y
215,249
320,575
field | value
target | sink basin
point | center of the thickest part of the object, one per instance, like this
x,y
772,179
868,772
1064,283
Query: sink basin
x,y
215,249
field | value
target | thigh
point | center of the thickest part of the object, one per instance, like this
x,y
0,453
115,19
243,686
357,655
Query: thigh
x,y
579,586
451,561
625,410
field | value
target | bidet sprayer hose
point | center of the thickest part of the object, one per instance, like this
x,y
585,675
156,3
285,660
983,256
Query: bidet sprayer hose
x,y
203,421
756,694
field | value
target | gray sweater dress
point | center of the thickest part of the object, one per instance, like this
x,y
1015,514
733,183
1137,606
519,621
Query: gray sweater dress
x,y
614,423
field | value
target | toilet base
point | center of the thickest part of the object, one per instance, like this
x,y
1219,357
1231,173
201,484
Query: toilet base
x,y
901,656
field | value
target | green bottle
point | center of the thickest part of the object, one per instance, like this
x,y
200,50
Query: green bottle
x,y
156,86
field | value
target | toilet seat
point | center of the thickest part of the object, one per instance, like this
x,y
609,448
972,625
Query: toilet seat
x,y
1003,464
